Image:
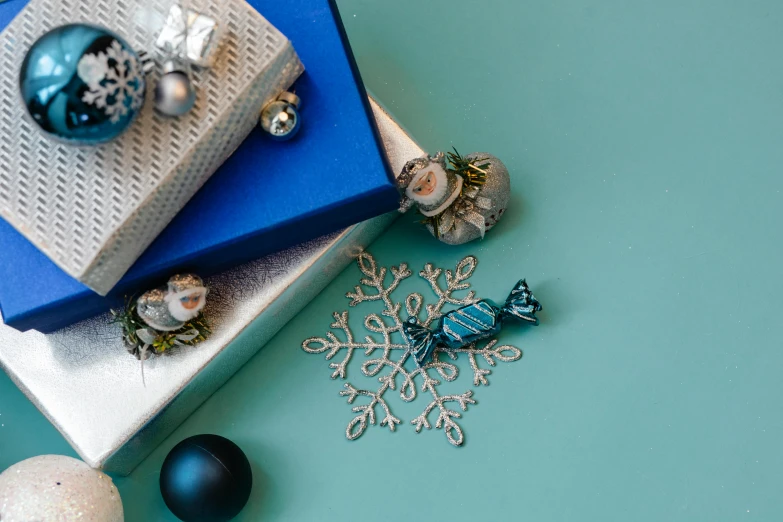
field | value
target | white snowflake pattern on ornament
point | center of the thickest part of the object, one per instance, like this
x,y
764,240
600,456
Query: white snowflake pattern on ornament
x,y
113,77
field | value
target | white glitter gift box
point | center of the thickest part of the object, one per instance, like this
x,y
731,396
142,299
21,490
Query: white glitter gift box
x,y
255,301
94,210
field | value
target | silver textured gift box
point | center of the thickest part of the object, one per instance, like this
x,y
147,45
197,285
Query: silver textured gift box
x,y
94,210
255,301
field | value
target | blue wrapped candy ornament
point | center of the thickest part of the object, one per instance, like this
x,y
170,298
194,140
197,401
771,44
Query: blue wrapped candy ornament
x,y
470,323
82,84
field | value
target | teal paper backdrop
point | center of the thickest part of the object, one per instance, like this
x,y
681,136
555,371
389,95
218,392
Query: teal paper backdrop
x,y
645,142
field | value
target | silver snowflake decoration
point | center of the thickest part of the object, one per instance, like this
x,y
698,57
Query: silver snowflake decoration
x,y
114,80
386,357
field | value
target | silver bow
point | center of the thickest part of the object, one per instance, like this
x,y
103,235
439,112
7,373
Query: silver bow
x,y
148,336
464,209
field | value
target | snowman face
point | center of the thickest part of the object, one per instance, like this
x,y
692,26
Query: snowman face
x,y
426,184
187,304
190,302
429,184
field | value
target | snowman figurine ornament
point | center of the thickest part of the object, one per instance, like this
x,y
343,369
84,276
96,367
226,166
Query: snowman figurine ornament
x,y
168,310
165,317
460,197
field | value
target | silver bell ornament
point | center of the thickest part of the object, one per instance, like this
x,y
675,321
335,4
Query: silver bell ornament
x,y
460,197
280,118
175,94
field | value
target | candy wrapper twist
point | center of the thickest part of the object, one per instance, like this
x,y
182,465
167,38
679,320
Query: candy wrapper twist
x,y
471,323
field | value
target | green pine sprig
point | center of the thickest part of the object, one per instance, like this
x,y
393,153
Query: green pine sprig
x,y
474,174
435,222
130,322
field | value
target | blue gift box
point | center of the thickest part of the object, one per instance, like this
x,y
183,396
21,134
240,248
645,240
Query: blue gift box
x,y
266,197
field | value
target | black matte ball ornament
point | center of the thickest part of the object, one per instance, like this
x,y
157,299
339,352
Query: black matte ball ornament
x,y
206,478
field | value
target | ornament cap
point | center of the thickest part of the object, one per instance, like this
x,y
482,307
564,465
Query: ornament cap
x,y
172,65
291,98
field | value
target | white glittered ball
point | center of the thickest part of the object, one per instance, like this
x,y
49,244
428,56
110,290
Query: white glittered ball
x,y
53,488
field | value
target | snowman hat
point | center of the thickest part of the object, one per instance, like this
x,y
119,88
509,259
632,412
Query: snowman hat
x,y
182,285
411,168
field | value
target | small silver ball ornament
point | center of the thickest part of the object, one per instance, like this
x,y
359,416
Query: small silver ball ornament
x,y
280,118
174,93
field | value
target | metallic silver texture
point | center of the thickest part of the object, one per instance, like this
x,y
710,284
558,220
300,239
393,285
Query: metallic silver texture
x,y
153,310
180,282
174,94
246,307
489,203
93,211
192,36
391,361
280,119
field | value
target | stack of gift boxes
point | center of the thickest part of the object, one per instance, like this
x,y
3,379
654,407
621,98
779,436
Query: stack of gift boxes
x,y
267,223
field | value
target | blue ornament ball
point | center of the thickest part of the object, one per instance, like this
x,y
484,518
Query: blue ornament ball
x,y
206,478
82,84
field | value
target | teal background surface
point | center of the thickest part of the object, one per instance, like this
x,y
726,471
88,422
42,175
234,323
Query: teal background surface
x,y
644,141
